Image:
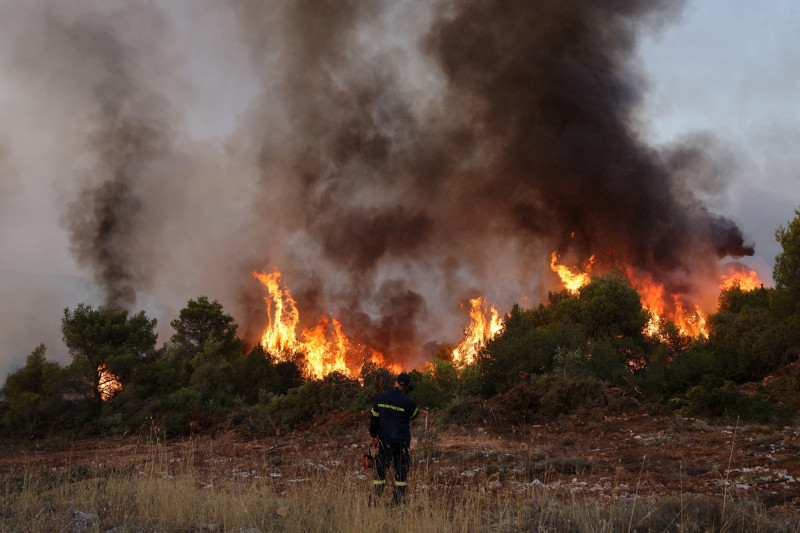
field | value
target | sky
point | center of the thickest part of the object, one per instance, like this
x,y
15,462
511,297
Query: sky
x,y
179,107
733,69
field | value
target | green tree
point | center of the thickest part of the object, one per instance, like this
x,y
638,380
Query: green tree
x,y
751,336
259,371
105,340
611,308
289,375
786,272
253,373
437,384
200,323
31,389
750,343
734,299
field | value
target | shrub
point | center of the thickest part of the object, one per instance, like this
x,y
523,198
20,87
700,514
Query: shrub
x,y
560,394
751,343
569,363
711,399
313,398
464,410
548,395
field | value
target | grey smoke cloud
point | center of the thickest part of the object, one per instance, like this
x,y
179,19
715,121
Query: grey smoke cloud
x,y
105,178
391,159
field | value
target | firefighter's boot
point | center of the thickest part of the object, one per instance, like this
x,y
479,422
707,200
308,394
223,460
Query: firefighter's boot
x,y
376,497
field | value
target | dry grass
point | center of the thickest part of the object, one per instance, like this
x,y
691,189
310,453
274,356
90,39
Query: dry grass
x,y
168,493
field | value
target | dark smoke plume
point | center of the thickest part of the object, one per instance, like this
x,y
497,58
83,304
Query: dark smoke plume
x,y
527,138
128,134
554,85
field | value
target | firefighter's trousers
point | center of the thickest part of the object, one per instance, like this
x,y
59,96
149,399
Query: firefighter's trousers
x,y
396,455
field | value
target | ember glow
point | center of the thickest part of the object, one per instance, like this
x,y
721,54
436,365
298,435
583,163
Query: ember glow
x,y
108,384
481,329
324,346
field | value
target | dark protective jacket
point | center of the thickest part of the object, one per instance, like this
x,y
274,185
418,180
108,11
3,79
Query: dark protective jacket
x,y
390,415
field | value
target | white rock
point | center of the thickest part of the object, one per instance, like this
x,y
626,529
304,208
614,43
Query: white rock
x,y
81,521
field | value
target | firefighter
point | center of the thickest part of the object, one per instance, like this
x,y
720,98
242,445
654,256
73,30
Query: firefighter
x,y
389,430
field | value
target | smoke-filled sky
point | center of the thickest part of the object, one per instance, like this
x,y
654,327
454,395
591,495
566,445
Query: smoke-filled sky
x,y
392,158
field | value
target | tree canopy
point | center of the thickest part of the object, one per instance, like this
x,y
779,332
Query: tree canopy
x,y
111,340
200,323
32,388
787,265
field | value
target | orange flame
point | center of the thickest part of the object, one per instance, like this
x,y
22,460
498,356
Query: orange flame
x,y
652,296
324,350
282,317
380,360
325,355
690,324
478,332
108,384
739,275
694,324
572,281
325,346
